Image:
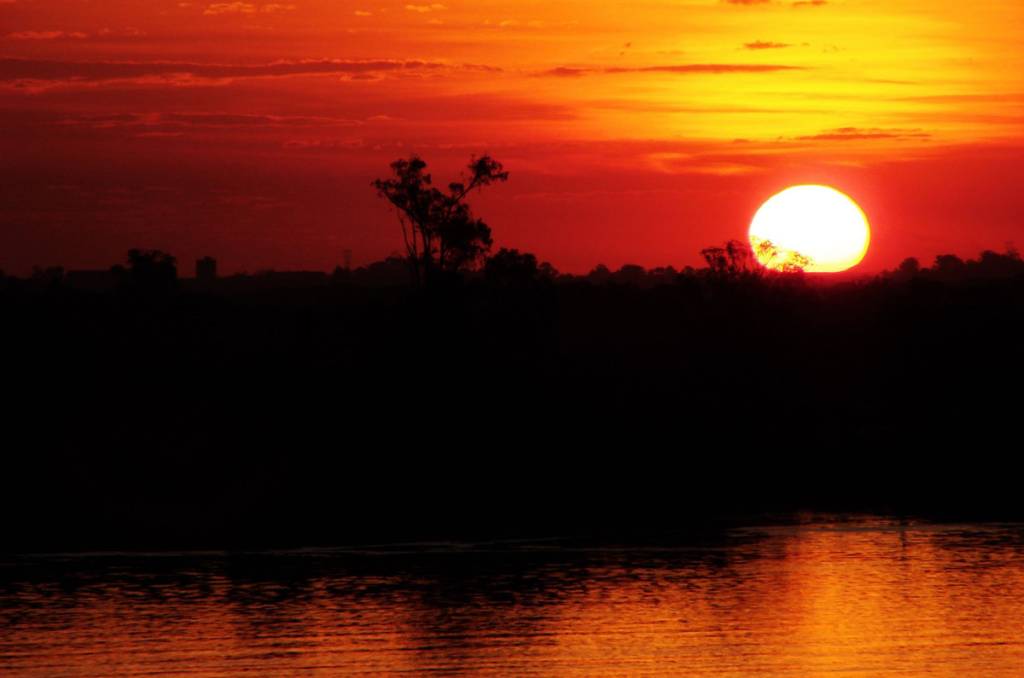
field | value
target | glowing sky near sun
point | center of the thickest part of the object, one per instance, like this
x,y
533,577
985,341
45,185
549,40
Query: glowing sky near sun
x,y
635,131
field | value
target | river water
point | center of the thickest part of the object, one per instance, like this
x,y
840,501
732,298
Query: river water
x,y
837,596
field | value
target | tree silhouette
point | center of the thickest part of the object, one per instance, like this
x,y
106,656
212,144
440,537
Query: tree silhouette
x,y
910,267
510,267
151,270
737,259
438,227
949,265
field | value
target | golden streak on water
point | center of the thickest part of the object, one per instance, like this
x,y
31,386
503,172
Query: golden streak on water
x,y
868,599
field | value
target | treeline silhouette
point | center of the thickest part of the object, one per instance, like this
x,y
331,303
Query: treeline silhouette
x,y
506,399
154,271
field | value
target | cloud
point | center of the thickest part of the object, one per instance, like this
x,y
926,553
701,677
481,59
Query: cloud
x,y
47,35
246,8
344,144
1012,97
128,32
423,9
29,71
567,72
797,3
863,134
573,72
172,121
761,44
231,8
253,120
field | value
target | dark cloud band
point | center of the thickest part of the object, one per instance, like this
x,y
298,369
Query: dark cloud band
x,y
94,71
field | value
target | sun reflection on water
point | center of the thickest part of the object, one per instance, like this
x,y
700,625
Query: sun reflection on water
x,y
868,598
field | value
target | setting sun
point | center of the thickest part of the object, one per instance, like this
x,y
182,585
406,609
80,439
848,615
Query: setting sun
x,y
816,228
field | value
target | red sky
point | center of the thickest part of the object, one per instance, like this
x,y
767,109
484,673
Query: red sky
x,y
635,132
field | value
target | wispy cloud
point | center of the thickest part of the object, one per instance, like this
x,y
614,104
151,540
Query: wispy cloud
x,y
865,134
761,44
796,3
70,72
682,69
47,35
231,8
246,8
423,9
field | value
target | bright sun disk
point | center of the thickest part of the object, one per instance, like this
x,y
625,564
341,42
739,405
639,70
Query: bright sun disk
x,y
817,228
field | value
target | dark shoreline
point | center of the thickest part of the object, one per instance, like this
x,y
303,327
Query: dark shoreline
x,y
340,412
703,534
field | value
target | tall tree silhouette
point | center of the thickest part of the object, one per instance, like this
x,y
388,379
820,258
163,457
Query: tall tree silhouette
x,y
438,227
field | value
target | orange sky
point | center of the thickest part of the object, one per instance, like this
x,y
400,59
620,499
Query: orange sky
x,y
634,131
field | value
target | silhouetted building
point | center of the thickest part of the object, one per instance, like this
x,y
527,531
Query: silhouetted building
x,y
206,269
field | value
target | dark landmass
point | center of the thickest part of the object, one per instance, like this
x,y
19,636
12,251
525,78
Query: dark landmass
x,y
144,410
